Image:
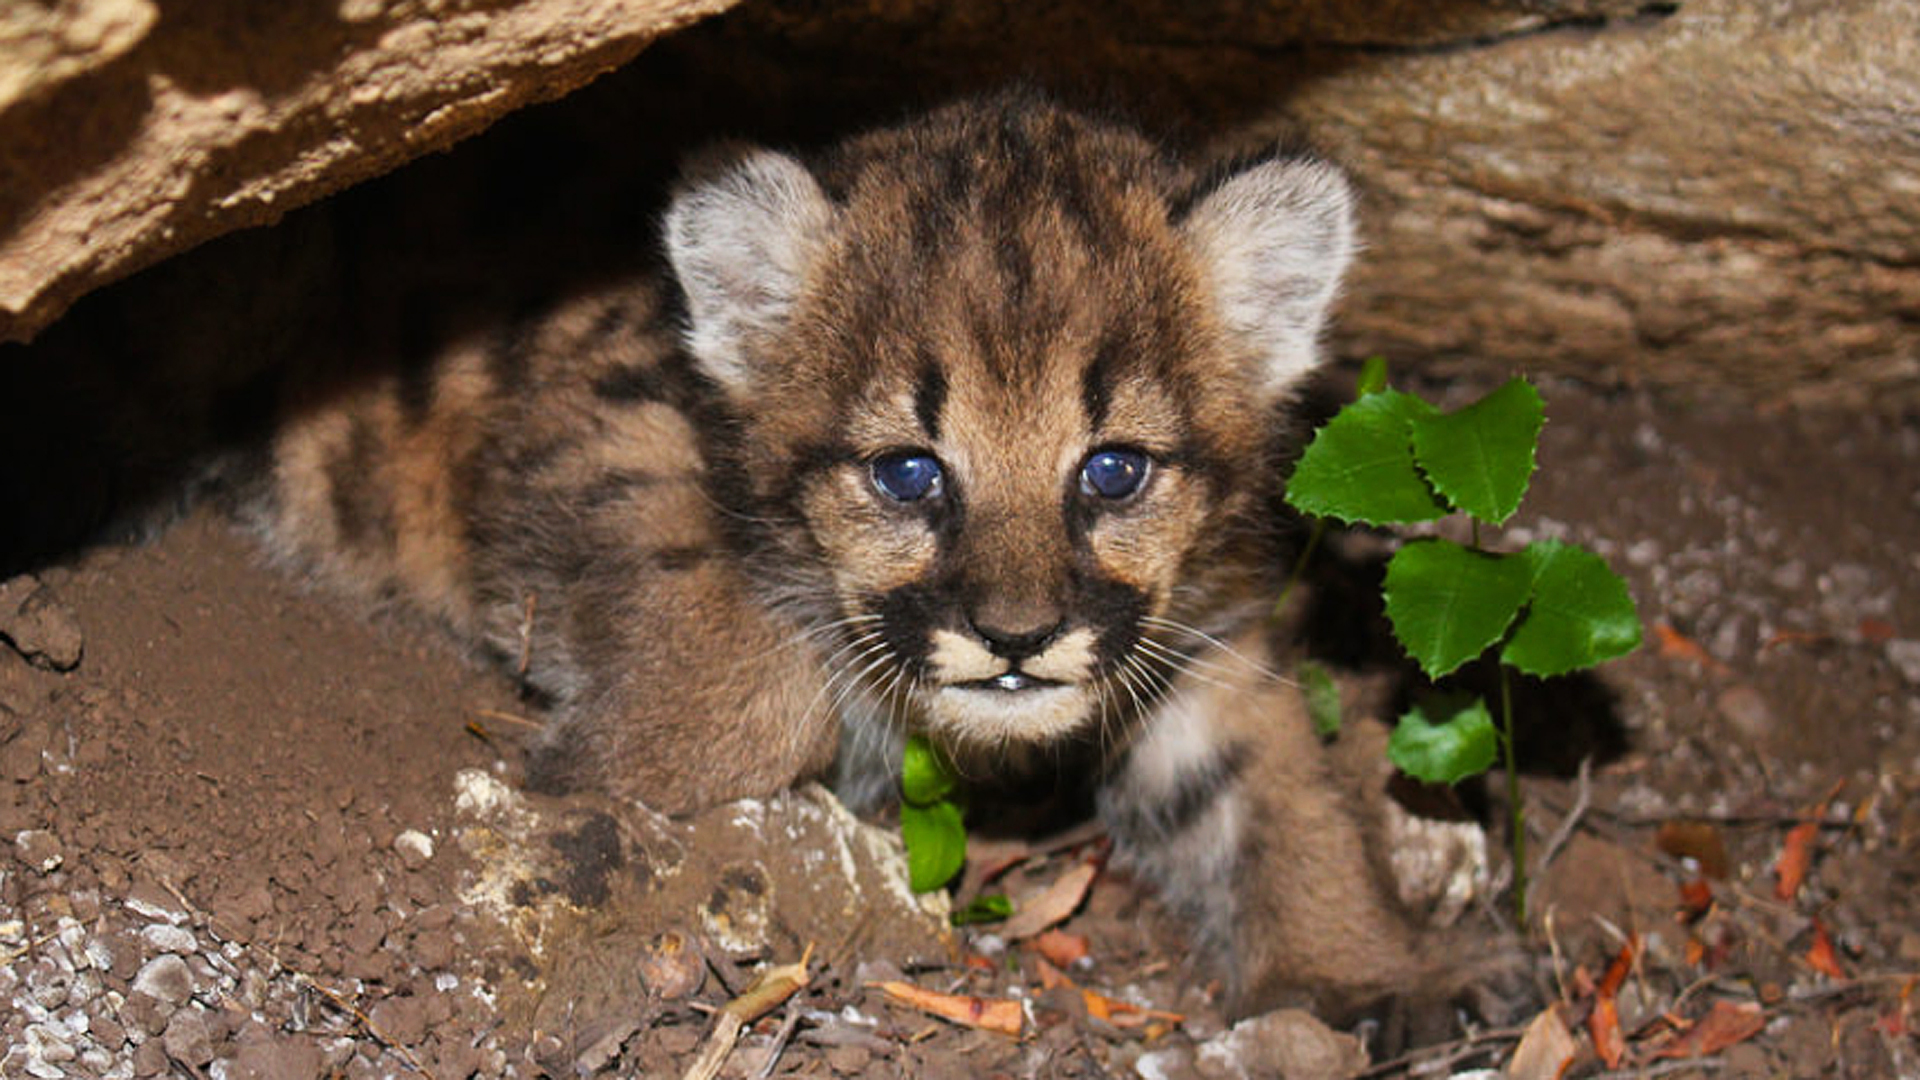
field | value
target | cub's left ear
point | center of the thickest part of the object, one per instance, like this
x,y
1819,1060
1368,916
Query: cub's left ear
x,y
1275,239
743,233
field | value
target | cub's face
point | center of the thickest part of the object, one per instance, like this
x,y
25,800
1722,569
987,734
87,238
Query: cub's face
x,y
1004,382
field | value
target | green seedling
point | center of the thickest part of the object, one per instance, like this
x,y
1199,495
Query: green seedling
x,y
933,827
931,816
1391,458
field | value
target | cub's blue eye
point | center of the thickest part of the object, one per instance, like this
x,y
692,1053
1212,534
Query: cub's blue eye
x,y
1113,474
906,477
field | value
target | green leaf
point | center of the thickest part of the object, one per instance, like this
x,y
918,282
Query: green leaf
x,y
984,909
1323,697
1580,613
1481,457
925,776
1373,376
936,844
1359,467
1444,740
1448,603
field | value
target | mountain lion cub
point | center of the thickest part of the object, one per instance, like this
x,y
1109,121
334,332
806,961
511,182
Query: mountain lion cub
x,y
968,427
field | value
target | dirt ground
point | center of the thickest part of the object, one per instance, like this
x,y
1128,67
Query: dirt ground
x,y
235,843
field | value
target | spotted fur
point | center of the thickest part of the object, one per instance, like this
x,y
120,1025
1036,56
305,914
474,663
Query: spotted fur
x,y
659,503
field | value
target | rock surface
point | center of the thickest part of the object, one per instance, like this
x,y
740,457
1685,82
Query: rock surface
x,y
129,134
1713,192
615,904
1702,193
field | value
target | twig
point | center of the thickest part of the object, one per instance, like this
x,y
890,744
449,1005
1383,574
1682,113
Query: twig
x,y
1582,799
507,717
1662,1068
780,1038
1443,1053
1854,983
767,992
719,1044
32,944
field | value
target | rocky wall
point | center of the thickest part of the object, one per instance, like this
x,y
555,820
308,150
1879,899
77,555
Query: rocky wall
x,y
131,129
1711,194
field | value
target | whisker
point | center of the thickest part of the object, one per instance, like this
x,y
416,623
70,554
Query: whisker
x,y
1189,659
1177,664
861,647
1193,631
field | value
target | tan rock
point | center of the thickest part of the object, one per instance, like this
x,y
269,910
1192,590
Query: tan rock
x,y
124,139
43,46
1703,194
1726,196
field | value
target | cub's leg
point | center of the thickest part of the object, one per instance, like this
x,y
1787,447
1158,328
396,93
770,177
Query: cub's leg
x,y
1230,804
694,695
674,683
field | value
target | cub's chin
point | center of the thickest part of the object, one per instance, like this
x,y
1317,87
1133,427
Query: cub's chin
x,y
1008,711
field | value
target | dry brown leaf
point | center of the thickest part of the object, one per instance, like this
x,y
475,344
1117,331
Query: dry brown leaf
x,y
1054,903
1604,1025
1675,645
1545,1050
1725,1024
1697,840
1582,982
1051,978
1792,637
1003,1015
1796,854
770,989
1877,631
1122,1014
1061,948
1617,971
1604,1022
1696,899
1820,954
1119,1013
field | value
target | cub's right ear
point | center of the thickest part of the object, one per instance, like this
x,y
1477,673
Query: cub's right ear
x,y
742,233
1275,238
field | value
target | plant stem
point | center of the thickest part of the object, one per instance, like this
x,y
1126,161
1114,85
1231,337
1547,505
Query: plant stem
x,y
1516,819
1300,564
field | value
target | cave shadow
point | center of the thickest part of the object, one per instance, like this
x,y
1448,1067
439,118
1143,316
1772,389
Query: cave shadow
x,y
108,419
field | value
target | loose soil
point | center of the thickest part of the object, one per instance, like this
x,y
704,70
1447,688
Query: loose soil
x,y
230,819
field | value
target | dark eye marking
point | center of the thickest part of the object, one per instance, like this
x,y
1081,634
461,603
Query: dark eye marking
x,y
930,397
1114,473
907,476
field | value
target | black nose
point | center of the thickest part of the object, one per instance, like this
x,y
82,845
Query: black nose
x,y
1016,645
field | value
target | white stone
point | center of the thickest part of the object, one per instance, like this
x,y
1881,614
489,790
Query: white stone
x,y
170,939
1905,654
414,847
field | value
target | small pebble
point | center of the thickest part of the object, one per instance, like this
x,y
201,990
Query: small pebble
x,y
1747,710
188,1038
39,849
414,847
165,978
48,1044
152,901
170,939
1905,654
